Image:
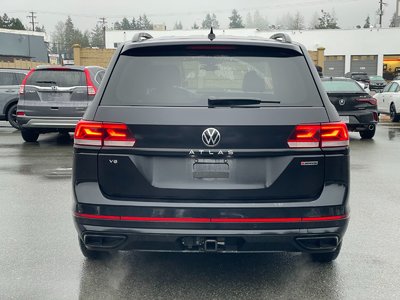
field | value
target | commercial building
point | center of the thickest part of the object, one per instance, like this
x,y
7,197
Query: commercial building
x,y
23,45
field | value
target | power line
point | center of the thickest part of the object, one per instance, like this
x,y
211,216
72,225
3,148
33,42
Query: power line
x,y
32,16
103,26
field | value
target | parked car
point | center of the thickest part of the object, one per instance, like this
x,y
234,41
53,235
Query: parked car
x,y
389,100
54,99
10,80
355,106
377,83
360,77
201,145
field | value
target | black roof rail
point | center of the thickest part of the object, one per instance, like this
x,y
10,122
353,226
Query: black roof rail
x,y
283,37
138,37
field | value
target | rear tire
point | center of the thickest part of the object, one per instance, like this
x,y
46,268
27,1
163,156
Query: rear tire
x,y
91,254
326,257
367,134
394,117
12,116
29,135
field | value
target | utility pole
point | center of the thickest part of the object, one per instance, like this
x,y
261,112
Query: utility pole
x,y
380,12
32,16
103,26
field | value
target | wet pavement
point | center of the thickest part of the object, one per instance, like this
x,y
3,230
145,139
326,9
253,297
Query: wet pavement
x,y
40,257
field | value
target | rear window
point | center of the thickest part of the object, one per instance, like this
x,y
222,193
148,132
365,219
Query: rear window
x,y
376,78
332,86
60,78
360,77
189,78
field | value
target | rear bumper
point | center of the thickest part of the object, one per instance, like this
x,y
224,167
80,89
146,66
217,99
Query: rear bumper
x,y
228,227
48,122
360,120
321,239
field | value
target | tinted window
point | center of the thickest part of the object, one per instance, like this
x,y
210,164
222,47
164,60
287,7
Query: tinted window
x,y
342,86
360,77
386,89
7,78
20,77
61,78
99,76
191,80
394,87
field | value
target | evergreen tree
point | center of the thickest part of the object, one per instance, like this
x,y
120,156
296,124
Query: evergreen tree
x,y
327,21
235,20
133,24
259,21
40,29
195,26
178,25
395,21
96,37
117,26
367,22
146,23
125,24
210,21
297,22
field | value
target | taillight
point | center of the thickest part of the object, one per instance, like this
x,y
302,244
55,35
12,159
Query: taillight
x,y
325,135
371,101
23,83
91,89
103,134
20,113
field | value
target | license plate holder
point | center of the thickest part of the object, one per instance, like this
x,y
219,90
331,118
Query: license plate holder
x,y
210,169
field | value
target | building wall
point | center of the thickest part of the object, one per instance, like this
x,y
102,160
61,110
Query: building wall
x,y
21,43
92,57
21,64
374,41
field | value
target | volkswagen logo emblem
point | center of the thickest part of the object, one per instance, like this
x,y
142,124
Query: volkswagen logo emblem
x,y
342,101
211,137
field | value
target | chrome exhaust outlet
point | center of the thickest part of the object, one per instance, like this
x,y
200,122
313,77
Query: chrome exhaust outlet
x,y
371,127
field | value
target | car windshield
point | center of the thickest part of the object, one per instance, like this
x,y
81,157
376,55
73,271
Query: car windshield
x,y
192,80
342,86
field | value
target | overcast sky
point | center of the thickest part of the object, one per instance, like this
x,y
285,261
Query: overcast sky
x,y
85,13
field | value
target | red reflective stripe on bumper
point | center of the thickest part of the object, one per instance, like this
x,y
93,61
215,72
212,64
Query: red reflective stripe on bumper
x,y
211,220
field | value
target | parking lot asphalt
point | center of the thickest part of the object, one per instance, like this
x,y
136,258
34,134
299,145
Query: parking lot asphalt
x,y
40,257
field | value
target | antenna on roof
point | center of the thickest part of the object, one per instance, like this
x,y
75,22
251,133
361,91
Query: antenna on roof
x,y
211,35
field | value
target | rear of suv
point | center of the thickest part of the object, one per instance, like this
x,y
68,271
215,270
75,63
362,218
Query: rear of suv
x,y
10,80
54,99
211,145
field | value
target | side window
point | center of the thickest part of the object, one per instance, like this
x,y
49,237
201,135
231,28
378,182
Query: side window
x,y
99,76
387,87
20,77
7,78
394,87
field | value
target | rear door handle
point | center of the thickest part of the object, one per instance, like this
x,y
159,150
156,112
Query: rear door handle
x,y
54,108
10,91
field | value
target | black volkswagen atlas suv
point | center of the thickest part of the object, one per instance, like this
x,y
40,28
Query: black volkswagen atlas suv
x,y
211,144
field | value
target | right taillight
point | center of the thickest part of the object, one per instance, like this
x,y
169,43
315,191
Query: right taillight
x,y
325,135
99,134
371,101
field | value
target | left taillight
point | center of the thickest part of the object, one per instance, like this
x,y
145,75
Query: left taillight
x,y
99,134
325,135
91,89
23,83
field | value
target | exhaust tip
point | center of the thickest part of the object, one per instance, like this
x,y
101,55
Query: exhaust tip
x,y
371,127
319,243
103,241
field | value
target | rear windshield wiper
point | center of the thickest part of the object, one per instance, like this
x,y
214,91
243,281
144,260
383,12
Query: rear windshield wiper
x,y
47,81
213,102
